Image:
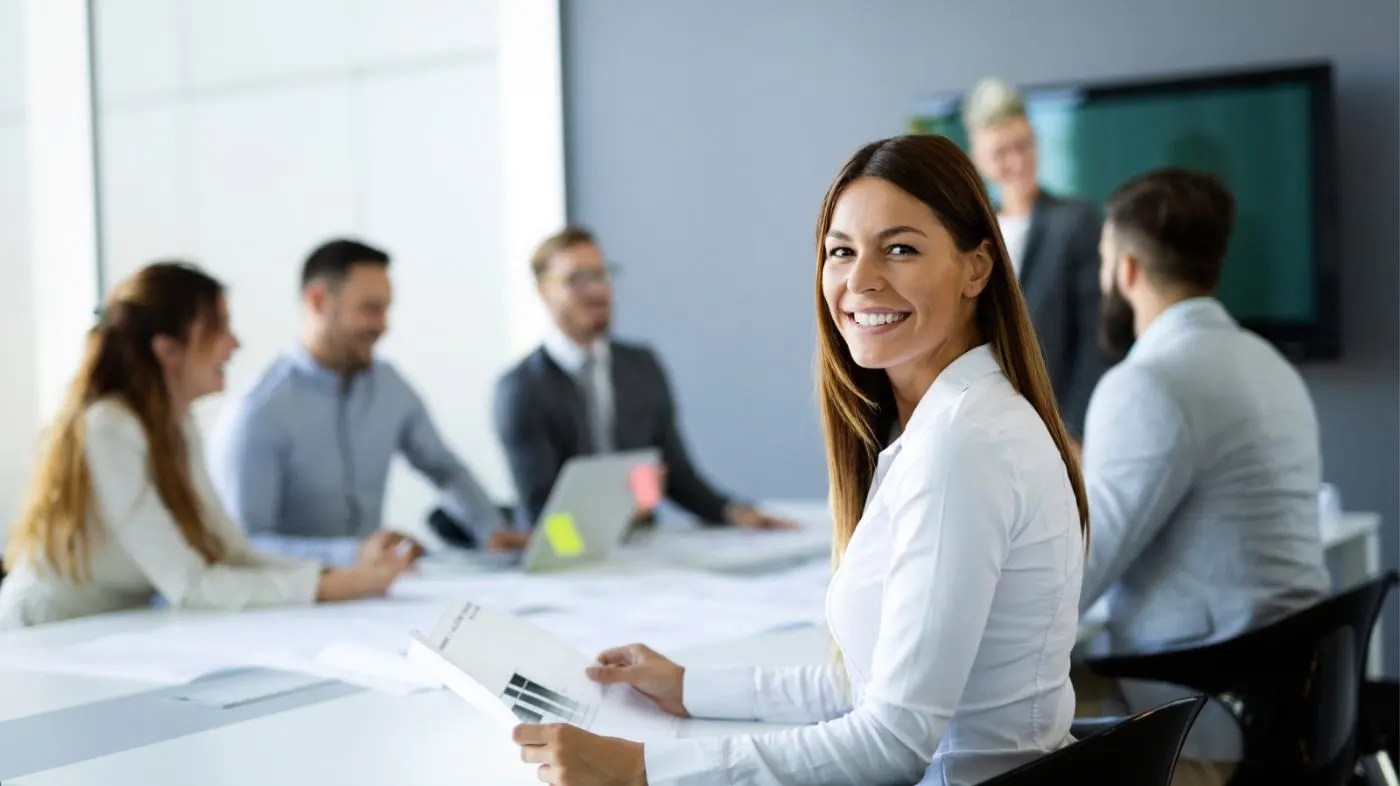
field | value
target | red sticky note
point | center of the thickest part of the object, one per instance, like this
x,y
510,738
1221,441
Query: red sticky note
x,y
645,481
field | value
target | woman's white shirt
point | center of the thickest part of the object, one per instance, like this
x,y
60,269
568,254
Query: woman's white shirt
x,y
955,608
138,551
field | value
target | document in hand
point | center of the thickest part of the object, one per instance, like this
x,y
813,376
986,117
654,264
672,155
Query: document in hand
x,y
516,673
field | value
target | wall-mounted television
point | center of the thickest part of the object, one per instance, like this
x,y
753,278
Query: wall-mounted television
x,y
1268,133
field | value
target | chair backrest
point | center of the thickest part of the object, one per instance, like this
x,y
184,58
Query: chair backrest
x,y
1293,685
1298,707
1140,751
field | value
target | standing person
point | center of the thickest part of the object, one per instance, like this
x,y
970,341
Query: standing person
x,y
120,509
1052,241
960,521
302,460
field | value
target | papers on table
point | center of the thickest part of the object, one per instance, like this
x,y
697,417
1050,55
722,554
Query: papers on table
x,y
307,640
367,642
730,549
516,672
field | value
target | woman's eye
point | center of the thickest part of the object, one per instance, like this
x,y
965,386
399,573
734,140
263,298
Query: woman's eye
x,y
839,253
902,250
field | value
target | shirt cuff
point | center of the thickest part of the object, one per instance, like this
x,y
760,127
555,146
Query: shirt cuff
x,y
719,693
305,581
687,762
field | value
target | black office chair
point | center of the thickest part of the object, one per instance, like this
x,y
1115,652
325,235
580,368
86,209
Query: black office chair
x,y
1379,735
1139,751
1293,686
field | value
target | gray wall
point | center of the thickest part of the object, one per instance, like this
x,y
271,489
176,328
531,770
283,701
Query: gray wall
x,y
702,135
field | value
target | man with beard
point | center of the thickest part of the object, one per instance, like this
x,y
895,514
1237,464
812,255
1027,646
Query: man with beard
x,y
1201,456
583,392
302,460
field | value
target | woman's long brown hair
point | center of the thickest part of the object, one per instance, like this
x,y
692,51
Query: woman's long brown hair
x,y
857,404
55,527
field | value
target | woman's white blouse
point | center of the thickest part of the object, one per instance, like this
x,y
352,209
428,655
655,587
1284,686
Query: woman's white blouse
x,y
138,551
955,609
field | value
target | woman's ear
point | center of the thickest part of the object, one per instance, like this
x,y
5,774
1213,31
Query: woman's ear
x,y
167,350
979,268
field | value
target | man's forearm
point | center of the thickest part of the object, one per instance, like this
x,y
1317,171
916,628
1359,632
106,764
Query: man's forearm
x,y
467,502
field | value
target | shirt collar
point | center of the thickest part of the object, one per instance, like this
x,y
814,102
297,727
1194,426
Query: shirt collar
x,y
567,353
311,368
1180,315
948,387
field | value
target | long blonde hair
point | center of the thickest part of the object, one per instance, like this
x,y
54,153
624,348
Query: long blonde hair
x,y
857,404
54,529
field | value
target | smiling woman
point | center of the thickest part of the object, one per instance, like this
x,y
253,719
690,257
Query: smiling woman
x,y
960,520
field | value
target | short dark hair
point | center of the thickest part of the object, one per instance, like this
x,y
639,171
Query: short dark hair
x,y
332,261
569,236
1179,221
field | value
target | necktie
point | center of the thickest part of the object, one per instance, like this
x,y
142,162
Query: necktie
x,y
589,382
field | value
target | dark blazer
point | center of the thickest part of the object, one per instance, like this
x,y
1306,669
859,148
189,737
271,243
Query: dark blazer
x,y
1060,281
541,421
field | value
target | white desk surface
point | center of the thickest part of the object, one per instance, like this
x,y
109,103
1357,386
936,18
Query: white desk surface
x,y
424,739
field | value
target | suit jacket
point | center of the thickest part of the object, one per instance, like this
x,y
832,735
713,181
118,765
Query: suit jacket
x,y
1202,464
542,422
1060,282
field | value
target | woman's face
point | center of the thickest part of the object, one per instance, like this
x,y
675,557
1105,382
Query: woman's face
x,y
1005,153
895,283
195,368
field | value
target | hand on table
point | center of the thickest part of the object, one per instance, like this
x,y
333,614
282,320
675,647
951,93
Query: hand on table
x,y
660,488
387,543
570,756
751,518
363,579
507,540
654,676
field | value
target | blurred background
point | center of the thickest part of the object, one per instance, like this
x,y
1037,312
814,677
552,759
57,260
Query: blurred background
x,y
695,138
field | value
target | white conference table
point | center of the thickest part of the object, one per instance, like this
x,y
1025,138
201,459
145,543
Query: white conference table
x,y
359,737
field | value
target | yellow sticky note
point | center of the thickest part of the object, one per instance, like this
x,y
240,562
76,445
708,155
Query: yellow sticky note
x,y
562,535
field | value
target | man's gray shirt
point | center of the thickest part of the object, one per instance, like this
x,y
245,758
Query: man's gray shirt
x,y
302,460
1203,466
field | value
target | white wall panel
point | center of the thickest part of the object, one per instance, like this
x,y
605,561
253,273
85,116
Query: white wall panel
x,y
138,48
19,406
243,41
146,209
11,62
416,30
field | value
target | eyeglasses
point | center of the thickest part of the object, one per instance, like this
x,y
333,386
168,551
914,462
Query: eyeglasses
x,y
581,279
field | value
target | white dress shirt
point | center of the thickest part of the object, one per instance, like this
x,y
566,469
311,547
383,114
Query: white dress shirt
x,y
137,549
571,357
955,608
1015,232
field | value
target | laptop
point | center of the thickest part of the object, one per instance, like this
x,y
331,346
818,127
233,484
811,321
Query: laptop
x,y
588,511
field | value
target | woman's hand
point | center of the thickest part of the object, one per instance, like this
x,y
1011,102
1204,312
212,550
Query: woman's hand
x,y
387,543
570,756
656,677
363,579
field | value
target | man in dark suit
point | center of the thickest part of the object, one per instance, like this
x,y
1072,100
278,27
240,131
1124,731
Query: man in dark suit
x,y
1053,242
582,392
